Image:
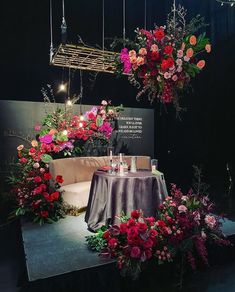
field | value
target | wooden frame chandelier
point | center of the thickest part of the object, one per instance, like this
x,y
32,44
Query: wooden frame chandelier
x,y
81,56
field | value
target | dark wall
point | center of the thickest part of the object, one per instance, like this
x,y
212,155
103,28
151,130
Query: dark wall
x,y
204,134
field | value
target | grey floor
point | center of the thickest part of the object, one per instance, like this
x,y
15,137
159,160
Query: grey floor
x,y
66,235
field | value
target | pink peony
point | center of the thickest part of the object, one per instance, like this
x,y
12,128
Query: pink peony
x,y
174,78
47,139
104,102
37,127
182,209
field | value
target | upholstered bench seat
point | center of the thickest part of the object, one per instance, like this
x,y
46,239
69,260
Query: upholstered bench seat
x,y
76,194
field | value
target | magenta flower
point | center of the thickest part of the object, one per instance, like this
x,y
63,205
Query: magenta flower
x,y
106,129
47,139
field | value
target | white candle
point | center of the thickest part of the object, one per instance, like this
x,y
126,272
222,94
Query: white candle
x,y
120,157
111,155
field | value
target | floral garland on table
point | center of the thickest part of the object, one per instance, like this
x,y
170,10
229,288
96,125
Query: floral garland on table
x,y
184,226
61,134
161,62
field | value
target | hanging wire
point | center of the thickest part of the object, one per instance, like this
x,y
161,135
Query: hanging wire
x,y
145,14
124,20
63,26
174,15
51,33
103,27
81,91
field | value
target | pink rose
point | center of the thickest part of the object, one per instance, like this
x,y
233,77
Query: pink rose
x,y
36,165
174,78
154,48
210,221
135,252
180,54
37,127
167,75
179,62
182,209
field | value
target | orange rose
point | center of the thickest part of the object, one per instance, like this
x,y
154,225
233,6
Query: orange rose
x,y
208,48
133,59
20,147
132,53
34,143
53,132
193,40
143,51
140,61
201,64
189,52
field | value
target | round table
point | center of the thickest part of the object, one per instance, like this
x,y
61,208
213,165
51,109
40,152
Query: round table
x,y
112,194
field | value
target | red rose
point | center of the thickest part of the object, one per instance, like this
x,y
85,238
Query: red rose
x,y
150,220
167,63
106,234
168,50
55,196
44,214
113,242
148,253
153,72
93,126
36,204
59,179
47,176
23,160
130,223
47,197
123,228
153,233
154,56
142,227
148,243
135,252
37,179
170,62
43,187
159,34
132,232
32,151
91,116
161,223
135,214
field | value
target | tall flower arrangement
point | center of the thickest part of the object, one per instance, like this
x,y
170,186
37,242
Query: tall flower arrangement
x,y
184,226
161,62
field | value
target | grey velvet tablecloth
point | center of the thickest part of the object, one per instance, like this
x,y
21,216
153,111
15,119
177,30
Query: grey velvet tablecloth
x,y
112,194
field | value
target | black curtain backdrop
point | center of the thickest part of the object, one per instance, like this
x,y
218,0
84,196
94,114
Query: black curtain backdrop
x,y
205,133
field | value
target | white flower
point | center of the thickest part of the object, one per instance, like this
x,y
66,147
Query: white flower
x,y
104,102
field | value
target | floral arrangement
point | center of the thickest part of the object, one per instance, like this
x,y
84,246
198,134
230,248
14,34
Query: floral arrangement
x,y
61,134
36,194
185,226
66,134
161,62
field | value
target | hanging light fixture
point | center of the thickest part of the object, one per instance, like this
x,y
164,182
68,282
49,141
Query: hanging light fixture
x,y
228,2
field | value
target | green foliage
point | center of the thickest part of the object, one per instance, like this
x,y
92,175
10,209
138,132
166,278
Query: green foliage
x,y
46,158
97,242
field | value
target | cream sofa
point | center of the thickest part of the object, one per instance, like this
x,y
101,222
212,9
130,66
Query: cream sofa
x,y
77,173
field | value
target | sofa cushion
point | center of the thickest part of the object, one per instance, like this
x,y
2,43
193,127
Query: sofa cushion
x,y
76,194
